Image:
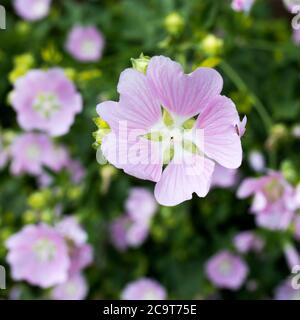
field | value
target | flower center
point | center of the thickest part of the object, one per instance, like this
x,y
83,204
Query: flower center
x,y
225,268
44,250
273,190
88,48
174,133
150,295
33,152
46,104
40,7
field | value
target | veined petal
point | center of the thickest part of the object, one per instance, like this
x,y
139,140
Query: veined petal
x,y
140,158
182,94
181,179
221,141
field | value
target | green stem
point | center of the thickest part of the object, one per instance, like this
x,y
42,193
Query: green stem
x,y
258,105
241,85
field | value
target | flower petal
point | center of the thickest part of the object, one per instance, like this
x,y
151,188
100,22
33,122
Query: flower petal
x,y
180,180
221,141
183,95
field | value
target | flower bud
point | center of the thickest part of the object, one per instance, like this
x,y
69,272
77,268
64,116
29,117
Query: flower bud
x,y
174,23
141,63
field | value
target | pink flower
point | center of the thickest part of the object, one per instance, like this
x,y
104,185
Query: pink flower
x,y
140,205
76,170
296,39
32,9
85,43
272,193
143,138
291,255
75,288
226,270
81,257
257,161
285,291
297,227
46,101
38,255
223,177
70,229
278,219
290,4
144,289
242,5
125,232
246,241
30,152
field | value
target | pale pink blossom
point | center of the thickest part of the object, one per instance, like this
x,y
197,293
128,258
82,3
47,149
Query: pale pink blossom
x,y
149,141
38,255
46,101
223,177
75,288
291,255
85,43
32,9
242,5
285,291
246,241
226,270
144,289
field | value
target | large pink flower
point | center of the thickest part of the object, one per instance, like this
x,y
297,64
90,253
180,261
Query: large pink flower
x,y
148,129
46,101
39,255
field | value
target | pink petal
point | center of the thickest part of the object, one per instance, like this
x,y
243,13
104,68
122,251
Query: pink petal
x,y
221,142
140,158
180,180
184,95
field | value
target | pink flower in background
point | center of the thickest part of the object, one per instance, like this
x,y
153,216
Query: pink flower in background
x,y
272,193
46,101
85,43
32,9
297,227
75,288
226,270
81,257
257,161
296,36
72,230
289,4
140,205
278,219
223,177
125,233
144,289
81,253
38,255
76,170
291,255
30,152
150,140
248,241
285,291
242,5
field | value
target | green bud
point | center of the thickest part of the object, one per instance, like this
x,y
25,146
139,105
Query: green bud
x,y
141,63
174,23
288,170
